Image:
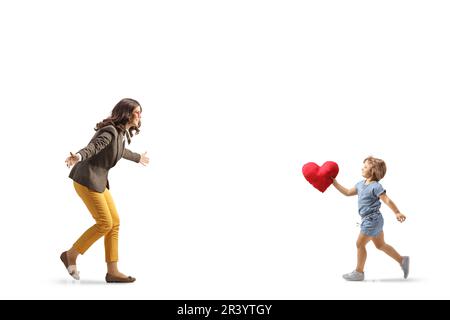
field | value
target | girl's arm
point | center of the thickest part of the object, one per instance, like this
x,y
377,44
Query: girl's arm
x,y
400,216
344,191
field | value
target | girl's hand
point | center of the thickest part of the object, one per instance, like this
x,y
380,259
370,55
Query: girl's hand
x,y
71,160
334,181
400,217
144,159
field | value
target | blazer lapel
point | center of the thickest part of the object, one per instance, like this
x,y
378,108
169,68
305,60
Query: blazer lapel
x,y
119,148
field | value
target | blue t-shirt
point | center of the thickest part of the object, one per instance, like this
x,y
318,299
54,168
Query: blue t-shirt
x,y
369,198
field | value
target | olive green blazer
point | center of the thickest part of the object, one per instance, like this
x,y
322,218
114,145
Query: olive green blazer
x,y
102,153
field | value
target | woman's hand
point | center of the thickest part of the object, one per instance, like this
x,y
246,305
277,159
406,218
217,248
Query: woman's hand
x,y
144,159
71,160
400,217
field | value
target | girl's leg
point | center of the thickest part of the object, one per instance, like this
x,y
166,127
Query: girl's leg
x,y
362,253
378,241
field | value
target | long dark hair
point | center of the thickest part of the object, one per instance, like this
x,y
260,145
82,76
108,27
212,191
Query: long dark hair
x,y
120,116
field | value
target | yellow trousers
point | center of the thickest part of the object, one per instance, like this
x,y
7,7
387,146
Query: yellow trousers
x,y
103,210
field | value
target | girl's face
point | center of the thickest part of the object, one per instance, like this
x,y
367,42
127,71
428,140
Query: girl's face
x,y
366,170
136,117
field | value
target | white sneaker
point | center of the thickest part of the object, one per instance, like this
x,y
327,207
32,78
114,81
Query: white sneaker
x,y
354,276
405,266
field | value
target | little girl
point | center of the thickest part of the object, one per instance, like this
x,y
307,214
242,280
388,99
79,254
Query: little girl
x,y
369,193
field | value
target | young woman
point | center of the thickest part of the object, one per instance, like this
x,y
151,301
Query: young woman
x,y
90,179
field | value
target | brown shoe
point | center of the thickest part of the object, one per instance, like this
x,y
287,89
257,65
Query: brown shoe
x,y
112,279
71,269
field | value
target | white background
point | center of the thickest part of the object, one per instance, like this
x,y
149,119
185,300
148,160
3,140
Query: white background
x,y
236,97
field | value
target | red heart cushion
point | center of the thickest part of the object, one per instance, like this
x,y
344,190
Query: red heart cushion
x,y
320,177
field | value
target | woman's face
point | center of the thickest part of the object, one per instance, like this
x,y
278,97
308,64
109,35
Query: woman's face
x,y
136,117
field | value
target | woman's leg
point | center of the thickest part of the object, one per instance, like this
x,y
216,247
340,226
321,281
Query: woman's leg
x,y
98,207
378,241
112,239
362,253
72,255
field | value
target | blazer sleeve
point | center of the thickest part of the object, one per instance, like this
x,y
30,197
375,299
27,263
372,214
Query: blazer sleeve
x,y
96,145
132,156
